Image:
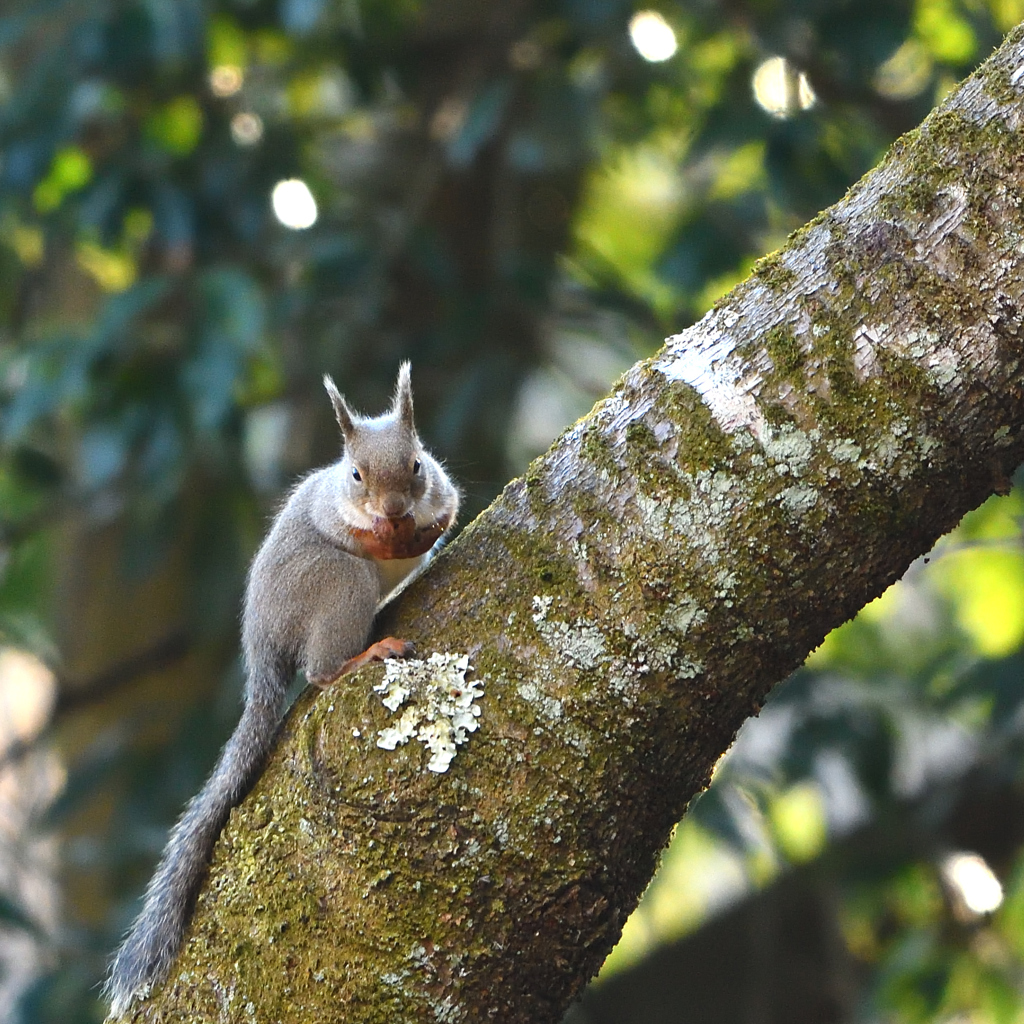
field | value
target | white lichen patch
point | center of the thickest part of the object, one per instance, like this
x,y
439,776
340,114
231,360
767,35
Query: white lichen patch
x,y
688,668
798,501
393,690
397,735
541,606
576,737
725,582
582,643
549,707
654,516
698,522
656,654
886,450
659,656
917,343
846,450
624,679
579,643
681,616
790,449
443,711
943,367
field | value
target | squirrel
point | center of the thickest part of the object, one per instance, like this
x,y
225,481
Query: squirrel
x,y
348,534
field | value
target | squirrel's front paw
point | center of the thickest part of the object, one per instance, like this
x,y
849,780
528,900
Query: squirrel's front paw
x,y
389,647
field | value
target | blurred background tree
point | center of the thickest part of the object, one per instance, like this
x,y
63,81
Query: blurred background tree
x,y
205,204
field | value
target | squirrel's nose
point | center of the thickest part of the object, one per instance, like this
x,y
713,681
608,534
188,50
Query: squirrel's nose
x,y
393,505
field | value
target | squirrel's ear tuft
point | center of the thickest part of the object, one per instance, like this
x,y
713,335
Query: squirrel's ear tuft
x,y
342,413
403,395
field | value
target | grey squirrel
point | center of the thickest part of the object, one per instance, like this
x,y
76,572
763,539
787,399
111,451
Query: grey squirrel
x,y
346,537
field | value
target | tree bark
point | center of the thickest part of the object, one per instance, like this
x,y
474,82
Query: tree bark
x,y
628,603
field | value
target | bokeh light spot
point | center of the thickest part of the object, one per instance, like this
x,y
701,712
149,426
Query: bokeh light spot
x,y
294,205
781,89
652,36
973,882
246,128
225,80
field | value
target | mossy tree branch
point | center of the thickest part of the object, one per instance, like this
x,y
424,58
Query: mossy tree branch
x,y
630,602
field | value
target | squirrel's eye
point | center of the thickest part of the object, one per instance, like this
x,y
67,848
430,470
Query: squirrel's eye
x,y
416,466
356,475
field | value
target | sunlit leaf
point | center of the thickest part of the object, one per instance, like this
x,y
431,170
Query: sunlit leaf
x,y
1007,13
70,171
944,31
986,588
28,242
798,819
740,171
112,271
226,43
906,73
640,186
177,126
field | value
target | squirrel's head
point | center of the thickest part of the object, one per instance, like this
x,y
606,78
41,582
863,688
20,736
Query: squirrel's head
x,y
385,467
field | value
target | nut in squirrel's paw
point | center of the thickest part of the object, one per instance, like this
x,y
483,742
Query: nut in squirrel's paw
x,y
400,537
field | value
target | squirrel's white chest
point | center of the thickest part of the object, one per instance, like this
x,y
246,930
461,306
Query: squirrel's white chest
x,y
392,571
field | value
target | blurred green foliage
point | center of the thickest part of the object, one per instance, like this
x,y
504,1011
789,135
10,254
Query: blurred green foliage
x,y
512,197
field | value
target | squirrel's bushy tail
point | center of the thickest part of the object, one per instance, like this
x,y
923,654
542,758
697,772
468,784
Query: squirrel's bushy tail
x,y
148,950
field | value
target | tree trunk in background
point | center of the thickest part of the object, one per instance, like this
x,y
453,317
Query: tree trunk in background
x,y
629,602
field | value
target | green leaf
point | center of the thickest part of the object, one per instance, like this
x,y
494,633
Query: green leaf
x,y
177,126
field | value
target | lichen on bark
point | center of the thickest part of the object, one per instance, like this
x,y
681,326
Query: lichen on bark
x,y
629,602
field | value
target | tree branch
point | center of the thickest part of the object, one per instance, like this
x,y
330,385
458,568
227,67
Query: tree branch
x,y
629,602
